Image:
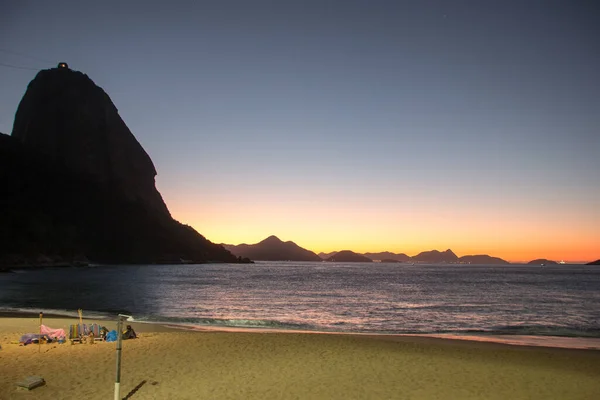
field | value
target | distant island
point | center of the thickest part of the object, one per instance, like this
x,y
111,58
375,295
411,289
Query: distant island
x,y
597,262
348,256
435,256
542,261
482,259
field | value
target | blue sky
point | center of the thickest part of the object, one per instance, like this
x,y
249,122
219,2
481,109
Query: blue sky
x,y
412,108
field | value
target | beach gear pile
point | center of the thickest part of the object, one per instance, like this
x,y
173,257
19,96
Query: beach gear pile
x,y
84,333
78,333
46,335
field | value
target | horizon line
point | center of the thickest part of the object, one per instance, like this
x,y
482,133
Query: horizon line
x,y
513,261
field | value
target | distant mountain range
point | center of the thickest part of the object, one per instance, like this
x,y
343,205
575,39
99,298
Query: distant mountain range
x,y
273,249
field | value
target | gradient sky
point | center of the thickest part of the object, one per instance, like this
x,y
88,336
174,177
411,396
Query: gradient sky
x,y
364,125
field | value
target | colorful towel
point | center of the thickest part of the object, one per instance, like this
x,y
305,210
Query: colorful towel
x,y
52,333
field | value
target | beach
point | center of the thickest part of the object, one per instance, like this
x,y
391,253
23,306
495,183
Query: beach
x,y
169,363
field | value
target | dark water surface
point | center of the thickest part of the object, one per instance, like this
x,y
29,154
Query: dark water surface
x,y
384,298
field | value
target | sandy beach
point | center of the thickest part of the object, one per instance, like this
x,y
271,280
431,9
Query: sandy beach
x,y
167,363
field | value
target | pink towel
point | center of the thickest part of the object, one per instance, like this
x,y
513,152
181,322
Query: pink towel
x,y
53,333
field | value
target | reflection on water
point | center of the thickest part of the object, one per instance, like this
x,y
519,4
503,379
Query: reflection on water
x,y
388,298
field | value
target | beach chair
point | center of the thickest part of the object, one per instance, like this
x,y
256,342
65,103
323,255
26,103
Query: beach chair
x,y
78,331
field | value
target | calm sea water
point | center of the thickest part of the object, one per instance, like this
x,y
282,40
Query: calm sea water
x,y
377,298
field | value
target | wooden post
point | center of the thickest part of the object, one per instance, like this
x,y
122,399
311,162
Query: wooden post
x,y
40,338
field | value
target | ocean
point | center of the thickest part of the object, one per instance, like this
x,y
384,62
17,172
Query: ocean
x,y
561,300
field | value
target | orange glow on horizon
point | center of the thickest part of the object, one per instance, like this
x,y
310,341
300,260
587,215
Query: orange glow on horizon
x,y
467,231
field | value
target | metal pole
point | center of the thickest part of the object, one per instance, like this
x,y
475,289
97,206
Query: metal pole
x,y
119,339
119,345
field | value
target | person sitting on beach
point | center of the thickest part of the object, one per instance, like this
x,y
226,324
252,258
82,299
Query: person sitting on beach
x,y
103,332
129,333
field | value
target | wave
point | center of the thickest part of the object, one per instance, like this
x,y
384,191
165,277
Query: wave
x,y
225,322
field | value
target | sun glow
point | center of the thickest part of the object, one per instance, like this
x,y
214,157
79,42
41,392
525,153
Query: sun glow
x,y
320,228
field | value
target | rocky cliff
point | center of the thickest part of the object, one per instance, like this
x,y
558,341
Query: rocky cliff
x,y
75,185
64,115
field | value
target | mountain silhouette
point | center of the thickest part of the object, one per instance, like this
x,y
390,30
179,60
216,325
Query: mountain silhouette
x,y
272,249
597,262
386,255
325,256
435,256
432,256
77,186
540,261
348,256
482,259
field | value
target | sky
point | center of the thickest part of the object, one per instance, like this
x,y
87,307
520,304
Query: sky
x,y
398,126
